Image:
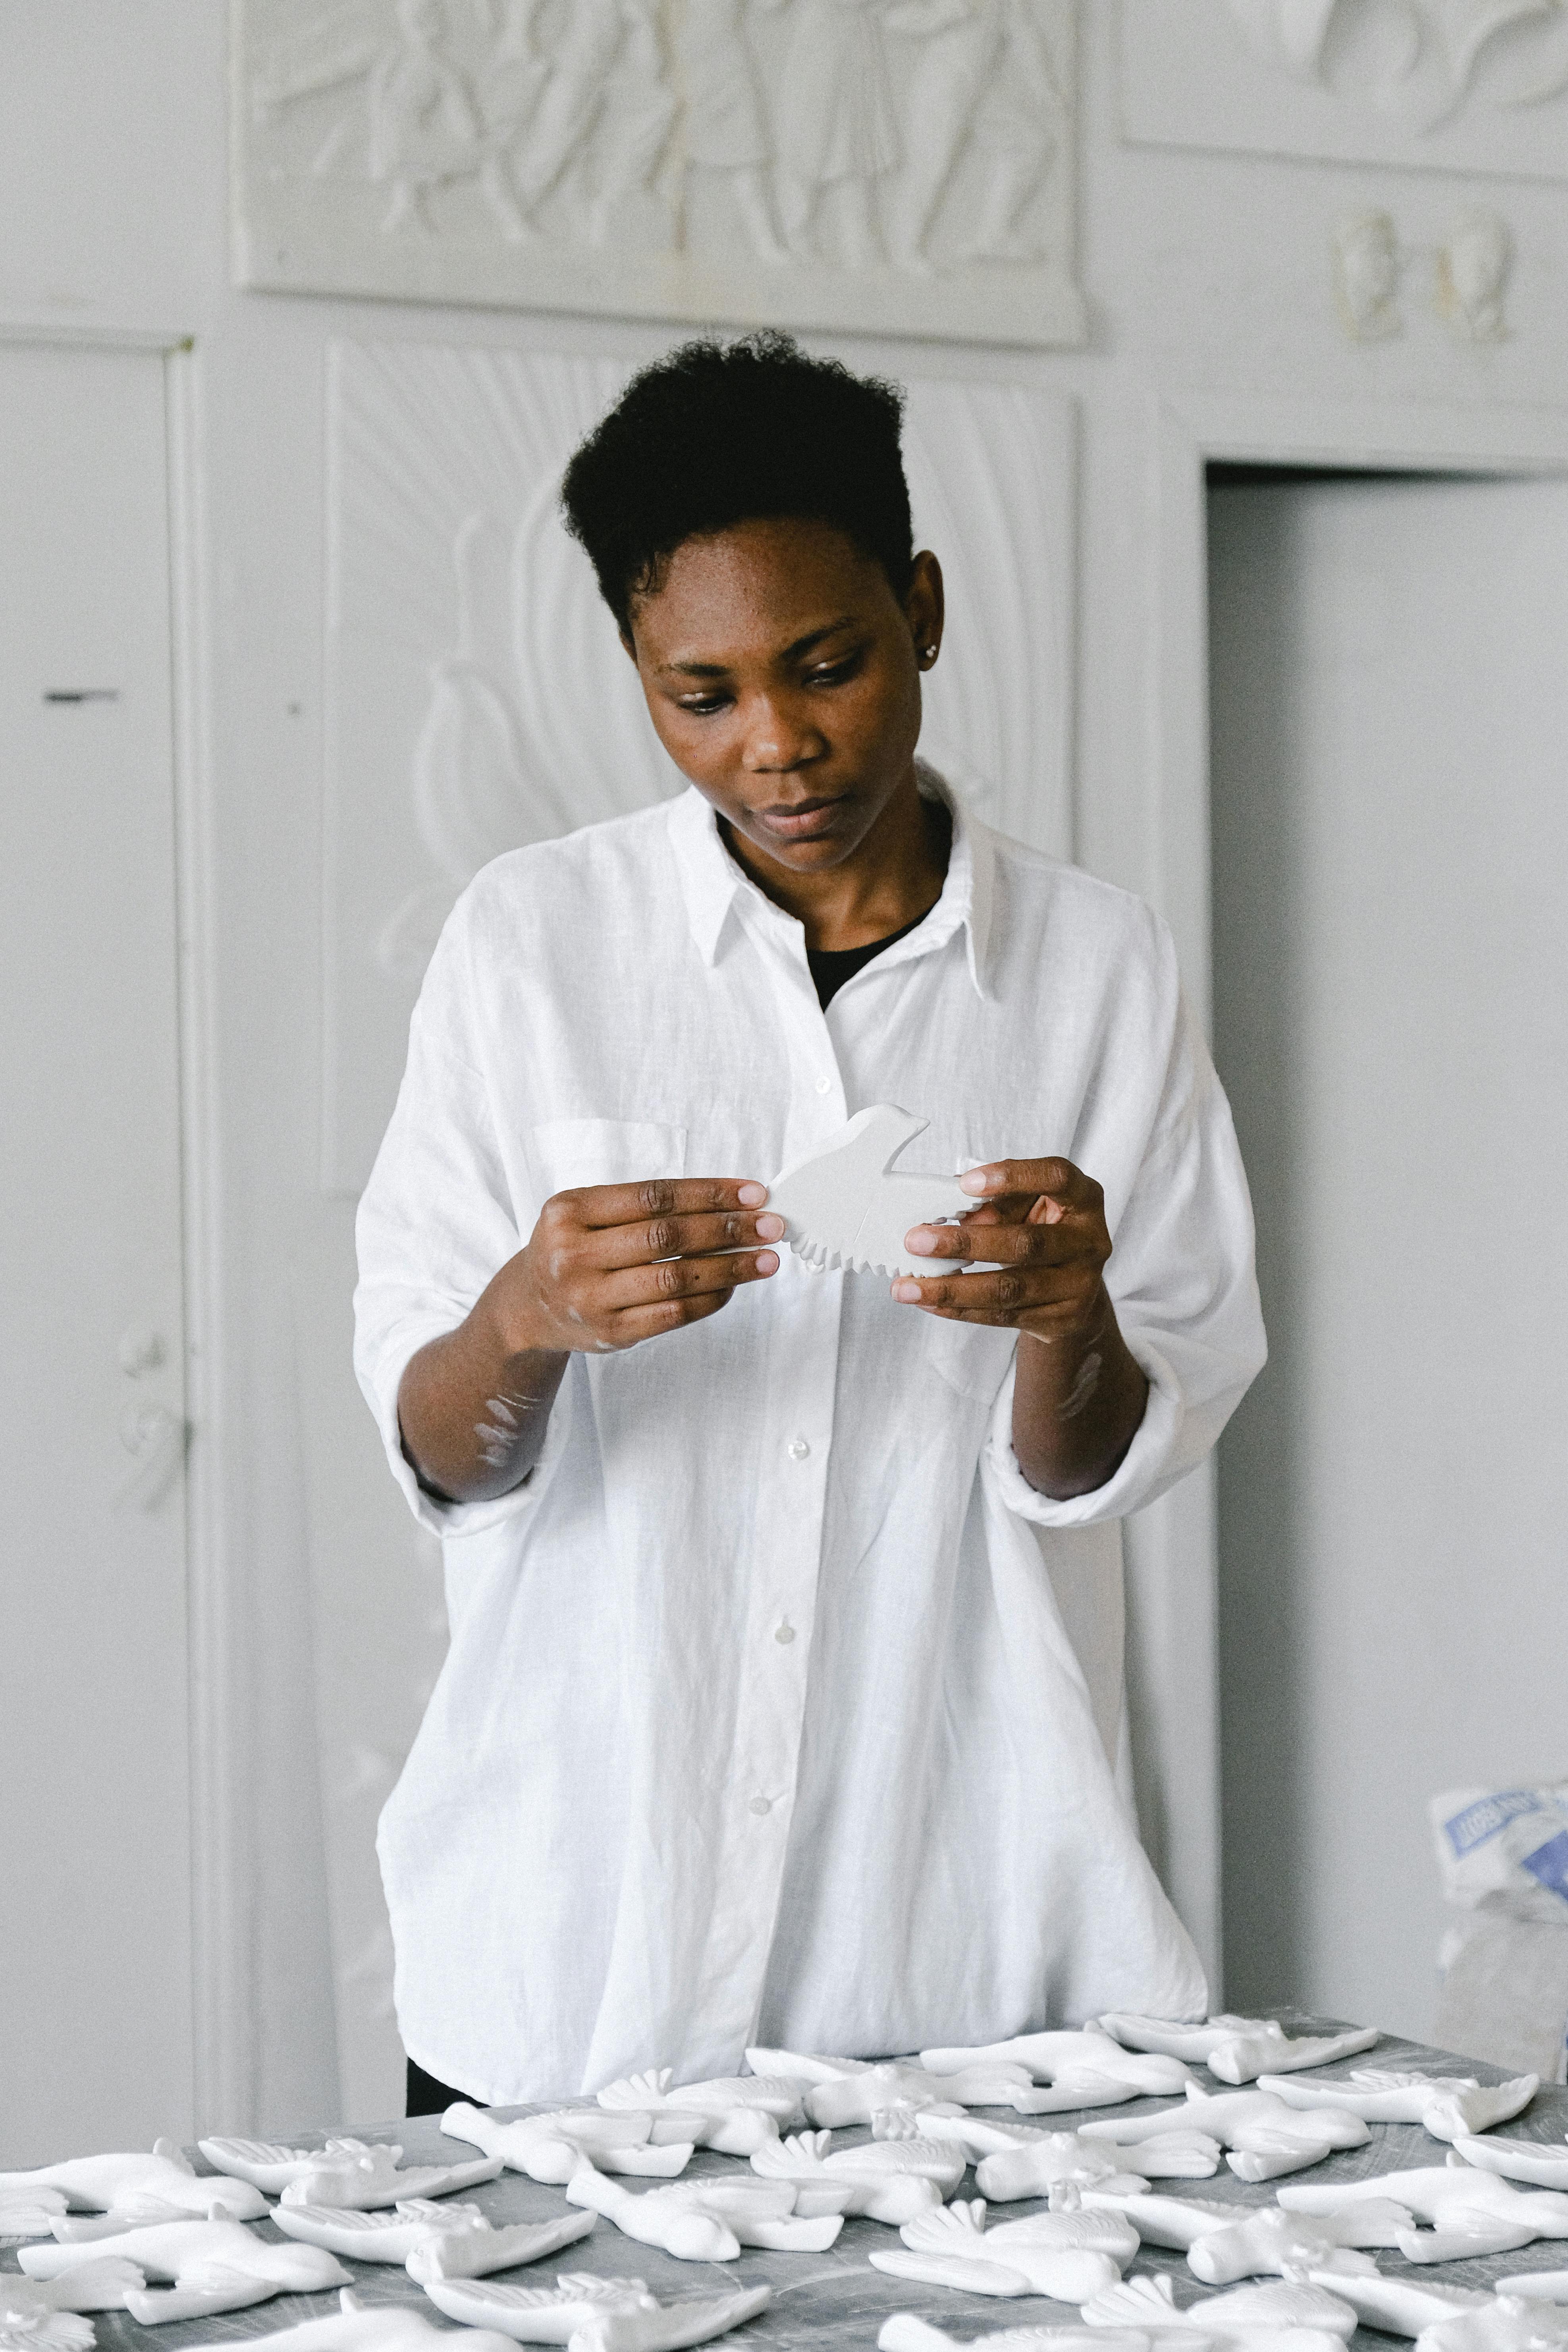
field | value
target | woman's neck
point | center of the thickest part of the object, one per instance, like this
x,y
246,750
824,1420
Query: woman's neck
x,y
893,878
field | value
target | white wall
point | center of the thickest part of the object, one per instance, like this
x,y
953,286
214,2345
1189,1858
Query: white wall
x,y
1207,275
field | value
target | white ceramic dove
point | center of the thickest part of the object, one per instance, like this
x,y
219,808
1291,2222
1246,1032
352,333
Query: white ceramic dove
x,y
43,2315
1085,2068
890,2180
733,2115
1175,2221
708,2220
1069,2256
214,2266
355,2174
1265,2135
596,2314
272,2167
550,2147
1258,2241
1471,2213
1448,2106
380,2327
1014,2160
845,1204
1238,2049
1508,2323
160,2186
1310,2317
1544,2165
1404,2306
854,2090
1549,2287
904,2332
432,2240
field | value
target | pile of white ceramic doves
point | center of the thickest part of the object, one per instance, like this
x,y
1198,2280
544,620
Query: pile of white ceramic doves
x,y
149,2236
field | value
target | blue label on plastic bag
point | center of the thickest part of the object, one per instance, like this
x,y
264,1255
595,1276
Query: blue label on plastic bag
x,y
1486,1817
1549,1863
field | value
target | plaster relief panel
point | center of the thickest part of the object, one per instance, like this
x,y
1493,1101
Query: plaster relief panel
x,y
902,166
478,696
1450,85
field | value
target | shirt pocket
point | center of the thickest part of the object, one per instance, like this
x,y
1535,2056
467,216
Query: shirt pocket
x,y
567,1154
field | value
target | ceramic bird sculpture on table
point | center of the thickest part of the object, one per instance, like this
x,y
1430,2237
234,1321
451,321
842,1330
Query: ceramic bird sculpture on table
x,y
352,2173
214,2265
1085,2068
1448,2106
709,2220
844,1205
1405,2306
886,2180
1238,2049
1290,2315
43,2315
379,2328
597,2314
1225,2243
839,2091
431,2240
1543,2164
1265,2136
734,2115
549,2147
1470,2212
1069,2256
161,2186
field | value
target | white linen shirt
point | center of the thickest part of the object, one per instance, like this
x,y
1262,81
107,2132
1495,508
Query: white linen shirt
x,y
759,1721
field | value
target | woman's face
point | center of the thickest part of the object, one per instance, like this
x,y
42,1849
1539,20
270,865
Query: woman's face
x,y
783,677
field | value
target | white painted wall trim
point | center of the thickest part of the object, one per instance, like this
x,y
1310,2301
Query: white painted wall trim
x,y
1171,1548
72,335
222,2004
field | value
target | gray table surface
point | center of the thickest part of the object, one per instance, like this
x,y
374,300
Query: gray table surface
x,y
836,2299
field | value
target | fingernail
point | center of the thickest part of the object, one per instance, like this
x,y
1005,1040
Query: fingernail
x,y
978,1180
751,1196
767,1263
920,1241
910,1291
770,1229
1055,1213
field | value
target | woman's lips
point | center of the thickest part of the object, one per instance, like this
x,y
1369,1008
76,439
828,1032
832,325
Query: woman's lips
x,y
802,823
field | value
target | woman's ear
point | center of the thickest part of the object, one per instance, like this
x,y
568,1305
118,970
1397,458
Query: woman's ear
x,y
925,607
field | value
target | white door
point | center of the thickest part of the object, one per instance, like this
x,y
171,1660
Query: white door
x,y
1390,720
95,1906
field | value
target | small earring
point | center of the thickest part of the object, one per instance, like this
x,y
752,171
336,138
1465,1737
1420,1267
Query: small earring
x,y
928,654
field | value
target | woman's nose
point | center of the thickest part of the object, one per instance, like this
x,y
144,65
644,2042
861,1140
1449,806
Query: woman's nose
x,y
777,739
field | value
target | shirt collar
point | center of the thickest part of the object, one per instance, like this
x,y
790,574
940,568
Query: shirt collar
x,y
711,882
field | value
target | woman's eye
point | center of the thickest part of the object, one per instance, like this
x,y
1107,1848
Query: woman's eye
x,y
834,672
702,706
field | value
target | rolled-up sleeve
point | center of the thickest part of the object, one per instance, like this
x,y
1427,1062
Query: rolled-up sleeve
x,y
1182,1279
435,1223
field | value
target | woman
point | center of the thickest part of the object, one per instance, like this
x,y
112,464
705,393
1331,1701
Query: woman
x,y
759,1721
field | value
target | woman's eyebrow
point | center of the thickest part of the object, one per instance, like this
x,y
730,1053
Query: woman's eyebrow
x,y
794,652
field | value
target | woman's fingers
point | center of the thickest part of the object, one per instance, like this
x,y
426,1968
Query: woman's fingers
x,y
677,1281
648,1239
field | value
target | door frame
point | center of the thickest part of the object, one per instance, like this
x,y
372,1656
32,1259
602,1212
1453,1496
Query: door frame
x,y
221,2057
1173,1550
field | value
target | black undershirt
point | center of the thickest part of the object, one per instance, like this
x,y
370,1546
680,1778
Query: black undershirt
x,y
831,967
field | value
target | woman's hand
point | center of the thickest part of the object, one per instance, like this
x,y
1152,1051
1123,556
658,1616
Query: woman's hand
x,y
603,1269
1079,1396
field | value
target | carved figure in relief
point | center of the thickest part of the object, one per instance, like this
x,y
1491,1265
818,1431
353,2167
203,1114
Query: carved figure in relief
x,y
1446,2105
1443,50
960,43
1295,2314
1069,2256
597,2314
550,2147
124,2189
1367,276
1470,2212
425,126
635,124
1472,277
214,2266
1238,2049
710,2220
587,45
837,127
1017,127
723,127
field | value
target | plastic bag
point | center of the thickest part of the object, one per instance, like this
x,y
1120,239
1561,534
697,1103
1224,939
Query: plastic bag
x,y
1505,1851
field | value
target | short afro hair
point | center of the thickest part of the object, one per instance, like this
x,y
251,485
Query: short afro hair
x,y
717,434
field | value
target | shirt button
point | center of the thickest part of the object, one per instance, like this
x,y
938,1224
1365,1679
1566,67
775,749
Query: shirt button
x,y
798,1449
761,1804
824,1086
784,1633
